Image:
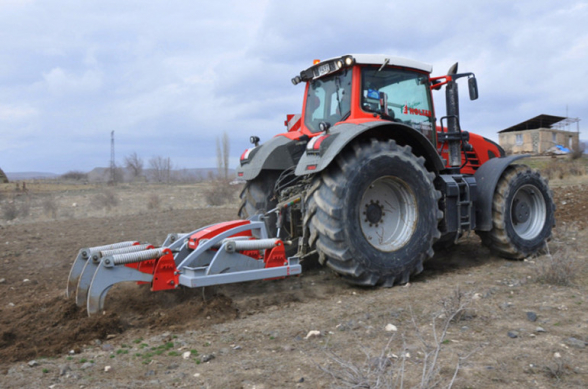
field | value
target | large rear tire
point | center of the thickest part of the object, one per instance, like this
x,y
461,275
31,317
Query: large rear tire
x,y
257,198
373,214
522,214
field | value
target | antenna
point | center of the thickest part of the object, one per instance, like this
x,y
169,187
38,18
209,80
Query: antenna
x,y
112,164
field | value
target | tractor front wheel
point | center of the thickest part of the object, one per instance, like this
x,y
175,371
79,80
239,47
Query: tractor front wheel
x,y
522,214
374,214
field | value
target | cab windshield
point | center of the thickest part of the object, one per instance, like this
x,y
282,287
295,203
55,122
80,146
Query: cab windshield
x,y
406,94
328,100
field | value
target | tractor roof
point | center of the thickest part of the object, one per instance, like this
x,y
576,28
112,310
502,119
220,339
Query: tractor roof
x,y
328,66
379,59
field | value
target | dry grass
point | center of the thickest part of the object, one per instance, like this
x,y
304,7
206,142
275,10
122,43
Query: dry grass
x,y
16,207
559,266
561,168
391,369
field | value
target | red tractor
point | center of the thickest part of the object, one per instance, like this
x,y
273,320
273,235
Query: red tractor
x,y
371,180
368,180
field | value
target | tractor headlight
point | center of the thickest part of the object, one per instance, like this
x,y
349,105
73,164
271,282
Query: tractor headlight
x,y
349,61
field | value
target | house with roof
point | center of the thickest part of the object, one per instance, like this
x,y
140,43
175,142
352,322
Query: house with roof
x,y
540,134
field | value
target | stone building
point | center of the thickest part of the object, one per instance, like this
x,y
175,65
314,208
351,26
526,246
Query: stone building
x,y
539,134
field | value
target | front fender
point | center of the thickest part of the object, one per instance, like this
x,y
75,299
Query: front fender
x,y
487,177
343,134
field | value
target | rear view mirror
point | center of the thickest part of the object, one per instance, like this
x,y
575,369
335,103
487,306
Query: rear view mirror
x,y
473,86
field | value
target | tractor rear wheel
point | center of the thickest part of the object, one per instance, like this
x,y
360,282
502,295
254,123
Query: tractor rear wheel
x,y
374,214
522,214
257,198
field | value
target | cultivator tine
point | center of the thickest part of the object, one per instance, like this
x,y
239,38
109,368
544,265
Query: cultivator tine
x,y
80,261
111,270
85,279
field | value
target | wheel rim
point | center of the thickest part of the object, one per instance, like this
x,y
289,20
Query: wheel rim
x,y
388,213
528,212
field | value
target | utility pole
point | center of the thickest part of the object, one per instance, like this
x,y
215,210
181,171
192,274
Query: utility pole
x,y
112,164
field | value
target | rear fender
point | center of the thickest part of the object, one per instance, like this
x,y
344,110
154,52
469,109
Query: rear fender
x,y
344,134
487,177
278,153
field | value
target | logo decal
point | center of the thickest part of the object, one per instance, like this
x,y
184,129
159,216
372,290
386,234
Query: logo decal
x,y
406,110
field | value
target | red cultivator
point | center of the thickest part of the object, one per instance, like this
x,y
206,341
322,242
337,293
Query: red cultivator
x,y
223,253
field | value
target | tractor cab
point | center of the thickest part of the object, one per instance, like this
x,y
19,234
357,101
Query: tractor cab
x,y
362,88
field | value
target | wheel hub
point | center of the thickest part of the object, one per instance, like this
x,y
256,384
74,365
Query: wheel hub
x,y
388,213
521,212
373,212
528,212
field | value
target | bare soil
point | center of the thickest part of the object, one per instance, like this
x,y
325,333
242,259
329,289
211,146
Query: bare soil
x,y
255,334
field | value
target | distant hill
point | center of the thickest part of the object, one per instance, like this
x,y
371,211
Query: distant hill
x,y
18,176
100,174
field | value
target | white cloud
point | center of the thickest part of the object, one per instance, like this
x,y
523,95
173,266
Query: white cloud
x,y
169,77
59,82
15,113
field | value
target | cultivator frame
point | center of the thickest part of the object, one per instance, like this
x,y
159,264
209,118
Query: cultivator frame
x,y
223,253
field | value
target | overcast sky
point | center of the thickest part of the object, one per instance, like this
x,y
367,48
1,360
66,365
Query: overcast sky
x,y
170,76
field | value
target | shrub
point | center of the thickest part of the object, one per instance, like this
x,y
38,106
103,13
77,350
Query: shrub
x,y
557,369
75,175
105,200
578,152
24,208
560,267
49,206
9,210
17,207
220,192
153,202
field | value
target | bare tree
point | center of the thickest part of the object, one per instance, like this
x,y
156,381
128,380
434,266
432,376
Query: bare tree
x,y
219,157
135,164
160,169
226,147
222,156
